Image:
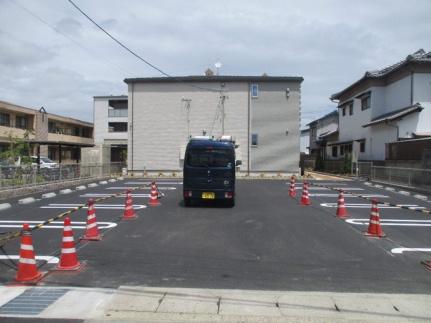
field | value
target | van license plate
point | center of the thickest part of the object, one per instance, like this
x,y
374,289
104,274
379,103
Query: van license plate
x,y
208,195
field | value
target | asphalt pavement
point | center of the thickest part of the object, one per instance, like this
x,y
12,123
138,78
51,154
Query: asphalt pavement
x,y
268,241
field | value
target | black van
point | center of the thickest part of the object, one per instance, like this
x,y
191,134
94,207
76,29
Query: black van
x,y
209,171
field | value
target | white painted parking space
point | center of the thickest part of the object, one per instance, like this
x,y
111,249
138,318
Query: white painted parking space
x,y
97,206
401,250
348,195
317,188
55,224
381,206
157,182
48,259
161,188
393,222
88,195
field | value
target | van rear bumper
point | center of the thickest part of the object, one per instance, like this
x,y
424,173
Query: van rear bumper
x,y
225,194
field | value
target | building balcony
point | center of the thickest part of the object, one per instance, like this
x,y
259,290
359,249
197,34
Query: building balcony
x,y
6,132
117,113
70,139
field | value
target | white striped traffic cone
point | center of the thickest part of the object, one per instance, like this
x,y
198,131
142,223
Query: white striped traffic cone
x,y
27,269
68,258
92,231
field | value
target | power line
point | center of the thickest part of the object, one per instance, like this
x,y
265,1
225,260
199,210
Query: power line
x,y
134,53
41,20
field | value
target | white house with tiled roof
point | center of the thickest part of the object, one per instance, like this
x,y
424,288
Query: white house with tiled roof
x,y
385,106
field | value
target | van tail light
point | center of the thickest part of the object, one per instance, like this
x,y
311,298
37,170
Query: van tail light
x,y
187,193
228,195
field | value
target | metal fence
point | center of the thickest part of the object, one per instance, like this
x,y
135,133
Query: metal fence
x,y
409,177
12,176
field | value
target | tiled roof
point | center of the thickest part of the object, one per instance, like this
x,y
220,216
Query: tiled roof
x,y
328,115
419,56
394,115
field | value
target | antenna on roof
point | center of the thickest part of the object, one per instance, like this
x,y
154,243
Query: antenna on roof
x,y
218,65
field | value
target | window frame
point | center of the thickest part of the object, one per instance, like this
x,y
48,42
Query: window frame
x,y
350,108
254,138
21,126
334,153
254,87
4,123
362,146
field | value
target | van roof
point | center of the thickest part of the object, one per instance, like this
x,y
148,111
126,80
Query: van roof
x,y
200,143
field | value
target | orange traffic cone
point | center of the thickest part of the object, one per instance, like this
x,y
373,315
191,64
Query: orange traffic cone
x,y
68,258
27,269
153,197
427,264
129,212
305,198
374,228
341,208
154,187
92,231
292,191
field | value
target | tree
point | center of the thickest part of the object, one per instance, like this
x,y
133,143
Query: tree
x,y
19,149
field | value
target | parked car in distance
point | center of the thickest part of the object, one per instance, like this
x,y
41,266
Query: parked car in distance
x,y
45,162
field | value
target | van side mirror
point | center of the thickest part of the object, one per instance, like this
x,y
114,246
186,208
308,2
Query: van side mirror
x,y
238,163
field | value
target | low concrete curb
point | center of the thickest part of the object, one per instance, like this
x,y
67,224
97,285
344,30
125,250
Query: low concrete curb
x,y
48,195
81,188
5,206
27,200
103,182
37,189
66,191
92,185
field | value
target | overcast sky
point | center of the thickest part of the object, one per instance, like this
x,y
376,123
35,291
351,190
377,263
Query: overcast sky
x,y
62,65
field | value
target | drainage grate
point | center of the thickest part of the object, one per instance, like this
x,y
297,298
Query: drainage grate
x,y
33,301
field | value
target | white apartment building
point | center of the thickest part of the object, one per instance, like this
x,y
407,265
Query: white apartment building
x,y
262,113
110,125
384,106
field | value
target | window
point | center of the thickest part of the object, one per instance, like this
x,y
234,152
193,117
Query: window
x,y
4,119
365,102
334,151
76,131
210,158
341,150
254,90
344,111
351,108
254,139
362,146
51,127
21,122
117,126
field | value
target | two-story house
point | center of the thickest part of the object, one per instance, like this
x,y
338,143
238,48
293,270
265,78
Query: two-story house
x,y
322,131
385,106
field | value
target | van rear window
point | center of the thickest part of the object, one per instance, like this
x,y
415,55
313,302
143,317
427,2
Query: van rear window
x,y
209,158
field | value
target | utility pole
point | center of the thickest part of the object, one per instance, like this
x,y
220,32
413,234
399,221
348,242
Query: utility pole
x,y
223,98
187,107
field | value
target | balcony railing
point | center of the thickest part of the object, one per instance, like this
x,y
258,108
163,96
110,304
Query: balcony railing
x,y
117,113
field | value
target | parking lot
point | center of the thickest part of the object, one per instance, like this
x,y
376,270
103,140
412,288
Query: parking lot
x,y
267,241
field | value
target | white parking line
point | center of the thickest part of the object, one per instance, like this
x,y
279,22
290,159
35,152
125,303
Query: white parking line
x,y
161,188
105,195
401,250
49,259
348,195
55,224
158,183
317,188
381,206
97,206
393,222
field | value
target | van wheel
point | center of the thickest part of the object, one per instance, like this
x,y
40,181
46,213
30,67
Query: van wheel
x,y
187,202
231,203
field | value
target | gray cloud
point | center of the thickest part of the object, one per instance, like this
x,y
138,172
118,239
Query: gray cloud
x,y
330,43
69,26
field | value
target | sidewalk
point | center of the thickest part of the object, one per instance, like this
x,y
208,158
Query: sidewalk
x,y
149,304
